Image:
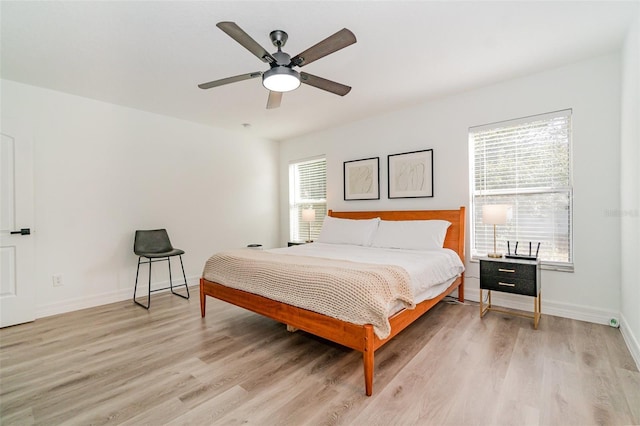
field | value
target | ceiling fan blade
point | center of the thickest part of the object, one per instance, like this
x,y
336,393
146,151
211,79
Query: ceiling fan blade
x,y
339,40
238,34
228,80
274,99
324,84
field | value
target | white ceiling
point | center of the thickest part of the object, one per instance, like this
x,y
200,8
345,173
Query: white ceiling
x,y
151,55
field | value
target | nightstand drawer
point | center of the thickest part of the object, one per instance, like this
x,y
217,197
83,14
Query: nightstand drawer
x,y
509,285
508,270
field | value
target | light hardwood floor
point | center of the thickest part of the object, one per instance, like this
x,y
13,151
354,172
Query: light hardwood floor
x,y
120,364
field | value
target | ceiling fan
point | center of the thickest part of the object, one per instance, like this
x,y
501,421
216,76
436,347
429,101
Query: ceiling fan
x,y
281,77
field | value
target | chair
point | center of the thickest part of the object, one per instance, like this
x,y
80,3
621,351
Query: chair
x,y
155,246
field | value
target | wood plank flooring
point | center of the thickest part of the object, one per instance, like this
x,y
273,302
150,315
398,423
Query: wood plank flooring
x,y
121,364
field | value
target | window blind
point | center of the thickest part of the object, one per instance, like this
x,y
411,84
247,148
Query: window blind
x,y
308,189
524,163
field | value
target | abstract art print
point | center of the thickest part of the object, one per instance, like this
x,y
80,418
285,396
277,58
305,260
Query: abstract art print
x,y
362,179
411,174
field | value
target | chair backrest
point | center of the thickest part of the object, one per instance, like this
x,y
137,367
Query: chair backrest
x,y
151,241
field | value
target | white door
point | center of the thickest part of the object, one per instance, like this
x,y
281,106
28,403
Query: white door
x,y
17,295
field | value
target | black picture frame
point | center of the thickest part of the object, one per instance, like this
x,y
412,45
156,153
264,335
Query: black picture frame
x,y
362,179
410,174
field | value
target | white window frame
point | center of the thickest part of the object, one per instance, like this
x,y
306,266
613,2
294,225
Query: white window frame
x,y
297,201
504,233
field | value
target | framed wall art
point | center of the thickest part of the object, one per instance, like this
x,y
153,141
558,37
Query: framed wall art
x,y
410,174
362,179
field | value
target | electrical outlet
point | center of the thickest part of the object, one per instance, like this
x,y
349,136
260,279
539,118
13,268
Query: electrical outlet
x,y
57,280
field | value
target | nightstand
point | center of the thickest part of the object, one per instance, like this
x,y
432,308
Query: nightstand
x,y
511,276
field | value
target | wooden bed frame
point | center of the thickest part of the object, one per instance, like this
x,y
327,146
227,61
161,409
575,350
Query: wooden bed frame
x,y
358,337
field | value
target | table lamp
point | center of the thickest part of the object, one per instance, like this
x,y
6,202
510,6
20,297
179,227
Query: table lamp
x,y
495,214
309,215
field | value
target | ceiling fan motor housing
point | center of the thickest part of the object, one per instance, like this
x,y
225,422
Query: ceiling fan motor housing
x,y
281,77
282,59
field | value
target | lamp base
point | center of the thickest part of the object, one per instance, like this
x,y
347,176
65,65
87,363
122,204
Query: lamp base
x,y
494,255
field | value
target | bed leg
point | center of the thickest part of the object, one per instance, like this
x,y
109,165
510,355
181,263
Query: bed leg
x,y
203,300
461,289
367,358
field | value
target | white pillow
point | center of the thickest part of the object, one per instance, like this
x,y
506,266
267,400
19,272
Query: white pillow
x,y
411,234
358,232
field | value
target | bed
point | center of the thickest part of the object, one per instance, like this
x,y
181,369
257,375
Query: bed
x,y
360,337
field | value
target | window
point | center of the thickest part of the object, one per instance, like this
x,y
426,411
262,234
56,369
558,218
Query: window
x,y
524,163
307,189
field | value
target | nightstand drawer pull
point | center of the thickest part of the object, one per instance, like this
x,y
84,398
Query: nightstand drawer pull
x,y
506,270
506,284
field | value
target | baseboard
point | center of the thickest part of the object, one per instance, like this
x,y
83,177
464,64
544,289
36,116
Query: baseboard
x,y
564,310
78,303
630,340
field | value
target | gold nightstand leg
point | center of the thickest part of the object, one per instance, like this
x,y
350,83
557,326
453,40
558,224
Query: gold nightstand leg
x,y
537,307
483,308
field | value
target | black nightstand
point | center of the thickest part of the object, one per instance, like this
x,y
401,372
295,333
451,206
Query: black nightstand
x,y
511,276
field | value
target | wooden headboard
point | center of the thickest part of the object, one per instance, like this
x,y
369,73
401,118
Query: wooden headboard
x,y
455,234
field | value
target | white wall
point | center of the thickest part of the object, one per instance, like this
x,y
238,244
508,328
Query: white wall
x,y
103,171
591,88
630,190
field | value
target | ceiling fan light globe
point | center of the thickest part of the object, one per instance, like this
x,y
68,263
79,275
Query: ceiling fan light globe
x,y
281,79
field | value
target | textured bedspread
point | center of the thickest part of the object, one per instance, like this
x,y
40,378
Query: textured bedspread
x,y
360,293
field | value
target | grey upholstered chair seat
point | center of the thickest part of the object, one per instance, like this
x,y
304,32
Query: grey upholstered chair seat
x,y
174,252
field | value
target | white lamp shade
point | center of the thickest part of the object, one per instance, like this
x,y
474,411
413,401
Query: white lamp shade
x,y
495,214
308,215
